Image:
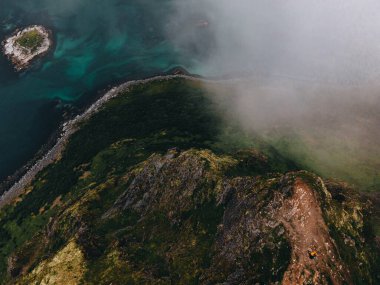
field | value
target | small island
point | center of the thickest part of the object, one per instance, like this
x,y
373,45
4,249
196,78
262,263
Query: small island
x,y
26,45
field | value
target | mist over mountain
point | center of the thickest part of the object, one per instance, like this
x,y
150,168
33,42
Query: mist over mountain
x,y
336,41
307,70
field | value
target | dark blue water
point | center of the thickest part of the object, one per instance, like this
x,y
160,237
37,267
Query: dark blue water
x,y
97,43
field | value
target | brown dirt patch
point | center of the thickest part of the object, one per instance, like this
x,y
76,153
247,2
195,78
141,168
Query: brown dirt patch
x,y
307,230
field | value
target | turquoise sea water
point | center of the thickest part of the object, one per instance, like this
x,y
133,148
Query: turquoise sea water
x,y
97,43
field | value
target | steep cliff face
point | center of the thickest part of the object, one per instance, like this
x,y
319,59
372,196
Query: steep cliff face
x,y
169,207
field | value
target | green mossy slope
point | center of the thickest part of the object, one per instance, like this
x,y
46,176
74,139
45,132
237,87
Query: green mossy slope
x,y
147,193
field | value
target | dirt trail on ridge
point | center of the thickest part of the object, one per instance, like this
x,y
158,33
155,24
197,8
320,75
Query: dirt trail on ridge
x,y
302,217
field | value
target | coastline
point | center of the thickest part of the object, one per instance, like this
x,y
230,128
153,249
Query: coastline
x,y
30,165
67,129
14,185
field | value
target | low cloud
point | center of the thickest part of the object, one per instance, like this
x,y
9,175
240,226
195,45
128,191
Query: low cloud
x,y
311,69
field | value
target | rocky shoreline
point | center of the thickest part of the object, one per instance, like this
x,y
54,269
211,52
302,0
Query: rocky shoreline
x,y
21,57
50,152
70,127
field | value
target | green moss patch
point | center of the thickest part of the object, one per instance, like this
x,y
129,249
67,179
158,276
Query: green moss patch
x,y
31,40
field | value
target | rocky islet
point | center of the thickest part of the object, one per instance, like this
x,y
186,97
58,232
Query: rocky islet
x,y
26,45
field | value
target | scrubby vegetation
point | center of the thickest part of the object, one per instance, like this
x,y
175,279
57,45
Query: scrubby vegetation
x,y
151,190
31,40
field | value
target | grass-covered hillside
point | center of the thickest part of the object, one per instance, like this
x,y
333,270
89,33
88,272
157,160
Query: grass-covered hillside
x,y
157,189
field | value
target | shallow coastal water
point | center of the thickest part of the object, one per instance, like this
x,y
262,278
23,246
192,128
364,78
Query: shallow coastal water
x,y
97,44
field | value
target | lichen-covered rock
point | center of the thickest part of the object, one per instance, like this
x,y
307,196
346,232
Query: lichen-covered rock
x,y
66,267
173,181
